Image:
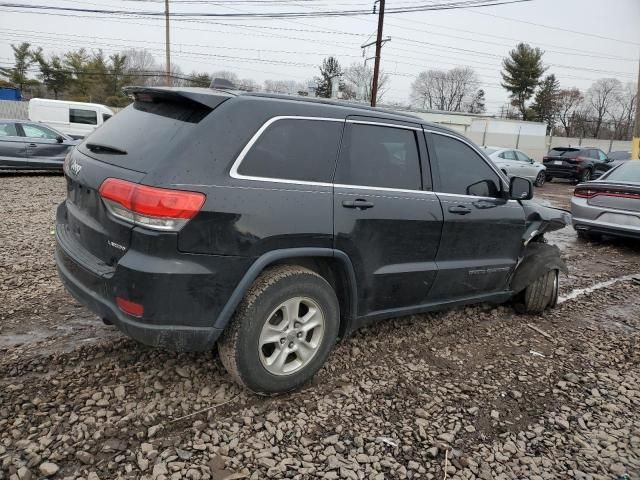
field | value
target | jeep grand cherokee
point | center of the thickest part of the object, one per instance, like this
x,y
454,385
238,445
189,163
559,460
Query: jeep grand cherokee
x,y
274,225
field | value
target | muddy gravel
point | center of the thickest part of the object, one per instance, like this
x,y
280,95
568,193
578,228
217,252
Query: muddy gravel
x,y
477,392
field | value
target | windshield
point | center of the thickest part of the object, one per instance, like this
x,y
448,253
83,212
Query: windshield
x,y
627,172
564,152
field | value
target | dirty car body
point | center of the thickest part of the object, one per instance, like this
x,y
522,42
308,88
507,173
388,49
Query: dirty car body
x,y
177,205
611,204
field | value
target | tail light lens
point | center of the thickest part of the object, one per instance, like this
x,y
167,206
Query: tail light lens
x,y
584,192
579,159
151,207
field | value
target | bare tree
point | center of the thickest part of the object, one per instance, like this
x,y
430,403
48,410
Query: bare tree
x,y
226,75
137,62
248,85
568,101
600,97
444,90
286,87
359,78
623,111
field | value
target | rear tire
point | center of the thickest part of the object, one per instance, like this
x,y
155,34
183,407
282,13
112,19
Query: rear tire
x,y
542,293
282,302
540,179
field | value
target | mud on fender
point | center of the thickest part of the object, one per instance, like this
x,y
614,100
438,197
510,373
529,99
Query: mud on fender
x,y
537,260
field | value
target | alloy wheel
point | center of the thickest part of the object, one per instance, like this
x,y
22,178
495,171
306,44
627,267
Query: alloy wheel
x,y
291,336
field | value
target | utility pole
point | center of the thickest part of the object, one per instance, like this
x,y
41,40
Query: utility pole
x,y
635,143
376,67
167,44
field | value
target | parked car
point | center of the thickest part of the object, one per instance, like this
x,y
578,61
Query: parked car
x,y
274,225
515,163
30,146
75,119
580,164
609,205
618,157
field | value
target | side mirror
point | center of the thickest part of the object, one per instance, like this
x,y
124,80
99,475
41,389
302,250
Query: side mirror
x,y
520,189
608,160
532,161
60,139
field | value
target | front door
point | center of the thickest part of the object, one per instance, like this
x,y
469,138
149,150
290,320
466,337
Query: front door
x,y
12,147
482,231
385,216
43,146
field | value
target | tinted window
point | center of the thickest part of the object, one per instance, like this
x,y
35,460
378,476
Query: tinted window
x,y
601,155
521,156
564,152
376,156
105,117
295,150
509,155
462,170
87,117
627,172
8,130
38,131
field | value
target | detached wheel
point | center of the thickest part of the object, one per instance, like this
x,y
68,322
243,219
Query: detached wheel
x,y
542,293
540,179
282,331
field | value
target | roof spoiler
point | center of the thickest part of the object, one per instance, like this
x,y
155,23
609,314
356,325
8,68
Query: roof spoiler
x,y
196,95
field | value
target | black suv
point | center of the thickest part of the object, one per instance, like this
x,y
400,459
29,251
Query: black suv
x,y
576,163
273,225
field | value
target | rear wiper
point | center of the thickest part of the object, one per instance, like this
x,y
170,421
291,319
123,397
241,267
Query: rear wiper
x,y
95,148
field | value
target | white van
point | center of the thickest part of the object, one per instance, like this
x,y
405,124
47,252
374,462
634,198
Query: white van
x,y
76,119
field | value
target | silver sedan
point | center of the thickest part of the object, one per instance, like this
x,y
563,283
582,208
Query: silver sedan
x,y
515,163
609,205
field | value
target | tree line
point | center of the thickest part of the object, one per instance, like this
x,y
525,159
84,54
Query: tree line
x,y
605,110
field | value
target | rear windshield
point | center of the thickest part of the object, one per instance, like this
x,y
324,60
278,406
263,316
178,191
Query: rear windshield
x,y
564,152
627,172
143,133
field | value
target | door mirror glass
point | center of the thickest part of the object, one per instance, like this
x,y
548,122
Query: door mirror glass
x,y
520,189
483,188
60,138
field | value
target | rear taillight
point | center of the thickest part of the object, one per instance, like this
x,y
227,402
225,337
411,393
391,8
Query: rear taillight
x,y
151,207
545,158
579,159
584,192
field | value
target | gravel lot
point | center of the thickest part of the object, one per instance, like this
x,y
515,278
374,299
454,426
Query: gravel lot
x,y
470,393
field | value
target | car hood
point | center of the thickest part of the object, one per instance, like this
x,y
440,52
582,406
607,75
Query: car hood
x,y
540,219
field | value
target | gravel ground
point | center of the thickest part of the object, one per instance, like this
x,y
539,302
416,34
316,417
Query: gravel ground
x,y
476,392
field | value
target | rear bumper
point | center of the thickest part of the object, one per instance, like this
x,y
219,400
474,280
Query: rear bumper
x,y
562,172
589,218
182,294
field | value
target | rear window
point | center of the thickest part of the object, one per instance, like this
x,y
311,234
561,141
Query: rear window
x,y
145,133
295,150
564,152
627,172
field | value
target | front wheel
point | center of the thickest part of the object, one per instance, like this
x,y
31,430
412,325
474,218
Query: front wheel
x,y
282,331
540,179
542,293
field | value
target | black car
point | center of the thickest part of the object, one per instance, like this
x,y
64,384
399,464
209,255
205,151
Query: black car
x,y
273,225
576,163
28,145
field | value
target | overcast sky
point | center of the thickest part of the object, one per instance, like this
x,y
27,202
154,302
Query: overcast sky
x,y
583,39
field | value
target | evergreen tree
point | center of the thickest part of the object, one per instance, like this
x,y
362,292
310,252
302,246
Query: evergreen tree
x,y
546,102
18,75
330,70
476,105
521,75
53,73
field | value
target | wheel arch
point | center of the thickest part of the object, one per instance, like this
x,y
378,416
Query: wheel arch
x,y
333,265
537,260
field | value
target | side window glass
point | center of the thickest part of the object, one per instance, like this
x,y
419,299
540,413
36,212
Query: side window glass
x,y
380,156
462,170
86,117
521,156
509,155
106,116
601,155
295,150
8,130
36,131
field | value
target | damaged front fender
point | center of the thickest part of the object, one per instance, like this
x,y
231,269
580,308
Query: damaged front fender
x,y
537,256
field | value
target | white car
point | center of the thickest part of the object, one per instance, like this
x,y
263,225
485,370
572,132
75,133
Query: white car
x,y
515,163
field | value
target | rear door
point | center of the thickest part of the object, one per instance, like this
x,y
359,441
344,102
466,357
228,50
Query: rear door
x,y
43,148
12,146
482,231
385,216
526,167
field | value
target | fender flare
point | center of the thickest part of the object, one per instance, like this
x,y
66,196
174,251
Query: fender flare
x,y
537,260
267,259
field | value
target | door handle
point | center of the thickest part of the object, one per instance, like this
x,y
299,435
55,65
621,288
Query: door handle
x,y
33,144
460,210
359,204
